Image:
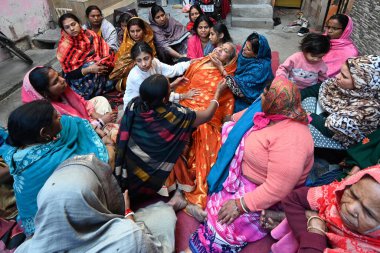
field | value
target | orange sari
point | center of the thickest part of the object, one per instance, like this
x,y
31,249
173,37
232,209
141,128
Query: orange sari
x,y
206,139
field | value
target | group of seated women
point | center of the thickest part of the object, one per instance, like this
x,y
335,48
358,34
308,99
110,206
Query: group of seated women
x,y
207,126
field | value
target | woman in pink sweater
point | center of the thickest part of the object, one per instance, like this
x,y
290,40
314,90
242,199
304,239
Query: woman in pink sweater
x,y
264,157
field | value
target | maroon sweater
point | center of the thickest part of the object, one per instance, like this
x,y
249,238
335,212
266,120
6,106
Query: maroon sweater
x,y
295,205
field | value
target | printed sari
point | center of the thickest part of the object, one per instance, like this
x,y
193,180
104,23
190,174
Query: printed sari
x,y
123,60
149,143
32,166
206,139
81,51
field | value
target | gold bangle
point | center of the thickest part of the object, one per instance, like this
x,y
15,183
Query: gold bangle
x,y
318,229
313,217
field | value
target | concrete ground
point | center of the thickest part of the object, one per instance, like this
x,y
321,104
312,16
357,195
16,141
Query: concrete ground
x,y
12,71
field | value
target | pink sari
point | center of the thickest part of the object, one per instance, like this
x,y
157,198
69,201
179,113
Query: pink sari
x,y
341,49
74,105
246,228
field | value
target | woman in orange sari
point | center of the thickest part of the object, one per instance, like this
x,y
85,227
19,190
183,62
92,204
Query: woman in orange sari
x,y
136,30
205,75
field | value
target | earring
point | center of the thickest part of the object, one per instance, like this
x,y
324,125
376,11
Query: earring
x,y
48,138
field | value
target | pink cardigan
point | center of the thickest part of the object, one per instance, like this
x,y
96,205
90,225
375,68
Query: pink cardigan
x,y
277,158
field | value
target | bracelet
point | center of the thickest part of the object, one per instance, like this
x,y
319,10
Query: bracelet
x,y
238,205
216,101
313,217
128,212
318,229
243,206
236,208
101,122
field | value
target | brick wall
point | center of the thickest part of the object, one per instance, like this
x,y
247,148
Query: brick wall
x,y
366,18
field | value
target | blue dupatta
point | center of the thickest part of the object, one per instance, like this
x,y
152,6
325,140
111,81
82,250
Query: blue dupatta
x,y
252,74
32,166
219,171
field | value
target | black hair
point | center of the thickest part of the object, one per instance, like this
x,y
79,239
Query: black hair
x,y
124,18
39,79
253,38
66,16
154,89
26,122
136,21
140,47
156,9
196,6
315,44
222,28
342,19
199,19
91,8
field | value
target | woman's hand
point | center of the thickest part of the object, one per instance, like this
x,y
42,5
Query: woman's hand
x,y
107,141
315,225
127,202
216,62
98,68
191,93
353,171
228,213
178,81
109,117
222,85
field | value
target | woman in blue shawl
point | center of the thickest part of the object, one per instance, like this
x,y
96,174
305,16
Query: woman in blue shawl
x,y
253,71
41,139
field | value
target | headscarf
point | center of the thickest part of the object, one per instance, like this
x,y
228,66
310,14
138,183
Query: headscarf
x,y
141,165
326,199
341,49
282,101
75,105
124,62
80,209
167,34
354,113
32,166
87,46
252,73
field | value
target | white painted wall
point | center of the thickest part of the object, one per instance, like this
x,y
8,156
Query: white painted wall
x,y
19,18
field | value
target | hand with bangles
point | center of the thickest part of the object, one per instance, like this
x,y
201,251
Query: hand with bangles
x,y
228,212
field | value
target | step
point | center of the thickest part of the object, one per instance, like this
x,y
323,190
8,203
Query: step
x,y
12,71
266,23
47,39
253,11
252,2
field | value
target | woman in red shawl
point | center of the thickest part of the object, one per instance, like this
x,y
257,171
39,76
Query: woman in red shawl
x,y
86,59
348,215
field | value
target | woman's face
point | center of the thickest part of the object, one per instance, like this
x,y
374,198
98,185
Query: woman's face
x,y
224,52
160,18
95,18
203,30
55,127
334,29
123,26
214,37
71,27
57,84
136,33
360,206
194,13
144,61
344,78
248,50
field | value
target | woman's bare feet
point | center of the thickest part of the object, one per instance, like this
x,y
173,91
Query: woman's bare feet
x,y
178,202
269,219
197,212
